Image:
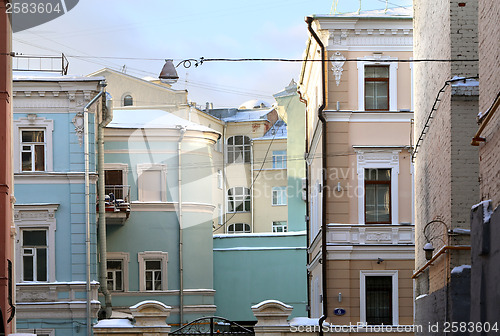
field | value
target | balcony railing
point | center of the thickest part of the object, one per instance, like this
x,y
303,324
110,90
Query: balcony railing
x,y
117,203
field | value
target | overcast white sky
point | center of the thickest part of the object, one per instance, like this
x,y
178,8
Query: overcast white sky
x,y
159,29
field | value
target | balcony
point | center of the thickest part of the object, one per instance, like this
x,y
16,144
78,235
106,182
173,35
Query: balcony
x,y
117,204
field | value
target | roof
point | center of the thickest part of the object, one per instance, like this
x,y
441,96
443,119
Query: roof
x,y
249,115
277,131
148,118
254,104
290,90
397,12
44,76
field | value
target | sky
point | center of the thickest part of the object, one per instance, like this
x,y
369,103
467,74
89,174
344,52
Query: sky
x,y
97,34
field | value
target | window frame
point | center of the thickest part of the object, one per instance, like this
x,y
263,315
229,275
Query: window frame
x,y
36,217
152,256
124,257
378,79
284,227
279,191
245,199
141,168
376,182
126,96
233,149
38,332
34,254
282,154
378,159
33,123
393,80
395,292
245,225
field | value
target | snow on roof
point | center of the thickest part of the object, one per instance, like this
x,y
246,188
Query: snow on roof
x,y
137,305
486,210
290,90
378,13
139,118
50,76
254,104
258,305
277,131
114,323
460,269
464,82
248,115
306,321
261,234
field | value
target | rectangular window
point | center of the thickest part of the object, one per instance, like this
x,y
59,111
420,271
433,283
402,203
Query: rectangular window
x,y
220,214
279,195
151,182
378,196
115,275
238,199
220,180
33,150
378,300
34,255
376,87
279,159
280,226
239,149
153,275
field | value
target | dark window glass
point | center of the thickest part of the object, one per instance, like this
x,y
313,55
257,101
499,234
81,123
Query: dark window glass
x,y
376,88
378,300
377,196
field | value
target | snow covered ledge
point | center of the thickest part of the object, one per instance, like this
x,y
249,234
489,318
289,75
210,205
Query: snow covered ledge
x,y
272,313
150,319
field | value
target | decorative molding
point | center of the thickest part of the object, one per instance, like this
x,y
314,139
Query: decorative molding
x,y
142,257
343,234
395,293
79,126
338,61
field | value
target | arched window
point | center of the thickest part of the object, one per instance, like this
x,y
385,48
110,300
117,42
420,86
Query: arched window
x,y
238,199
128,100
238,228
238,149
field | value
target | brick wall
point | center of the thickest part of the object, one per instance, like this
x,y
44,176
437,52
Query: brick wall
x,y
463,31
489,69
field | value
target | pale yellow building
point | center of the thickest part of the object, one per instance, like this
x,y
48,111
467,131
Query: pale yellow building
x,y
360,206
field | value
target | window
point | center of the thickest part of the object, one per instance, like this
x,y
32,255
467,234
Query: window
x,y
153,270
377,196
238,149
115,275
379,297
238,199
279,195
128,100
279,159
220,214
376,87
238,228
32,150
152,182
34,254
220,180
280,226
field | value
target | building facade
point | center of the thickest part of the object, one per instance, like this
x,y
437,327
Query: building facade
x,y
360,175
55,189
446,166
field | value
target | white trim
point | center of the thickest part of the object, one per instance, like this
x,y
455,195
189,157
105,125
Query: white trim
x,y
141,167
125,259
370,252
393,80
378,158
152,255
39,123
395,293
37,217
362,116
50,332
119,166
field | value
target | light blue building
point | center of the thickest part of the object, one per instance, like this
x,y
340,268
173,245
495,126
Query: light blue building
x,y
159,247
55,189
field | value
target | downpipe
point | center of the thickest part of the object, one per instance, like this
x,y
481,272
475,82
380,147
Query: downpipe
x,y
182,131
106,117
309,20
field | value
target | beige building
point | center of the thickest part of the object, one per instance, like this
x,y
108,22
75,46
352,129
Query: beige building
x,y
359,167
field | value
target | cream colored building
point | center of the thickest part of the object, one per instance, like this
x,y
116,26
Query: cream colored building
x,y
359,167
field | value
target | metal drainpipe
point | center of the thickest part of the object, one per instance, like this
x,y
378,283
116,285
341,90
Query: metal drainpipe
x,y
86,154
309,21
252,184
224,184
182,131
103,278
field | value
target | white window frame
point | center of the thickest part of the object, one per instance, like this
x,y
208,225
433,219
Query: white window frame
x,y
395,293
151,256
141,168
284,226
279,191
378,159
236,232
393,82
247,146
220,179
33,123
123,99
37,217
279,154
125,259
220,214
245,197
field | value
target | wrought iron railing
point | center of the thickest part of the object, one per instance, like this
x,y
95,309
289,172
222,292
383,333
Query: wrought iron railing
x,y
212,326
117,198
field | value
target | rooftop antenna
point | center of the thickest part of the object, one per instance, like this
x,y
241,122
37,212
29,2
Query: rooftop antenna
x,y
333,10
124,68
359,9
386,4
